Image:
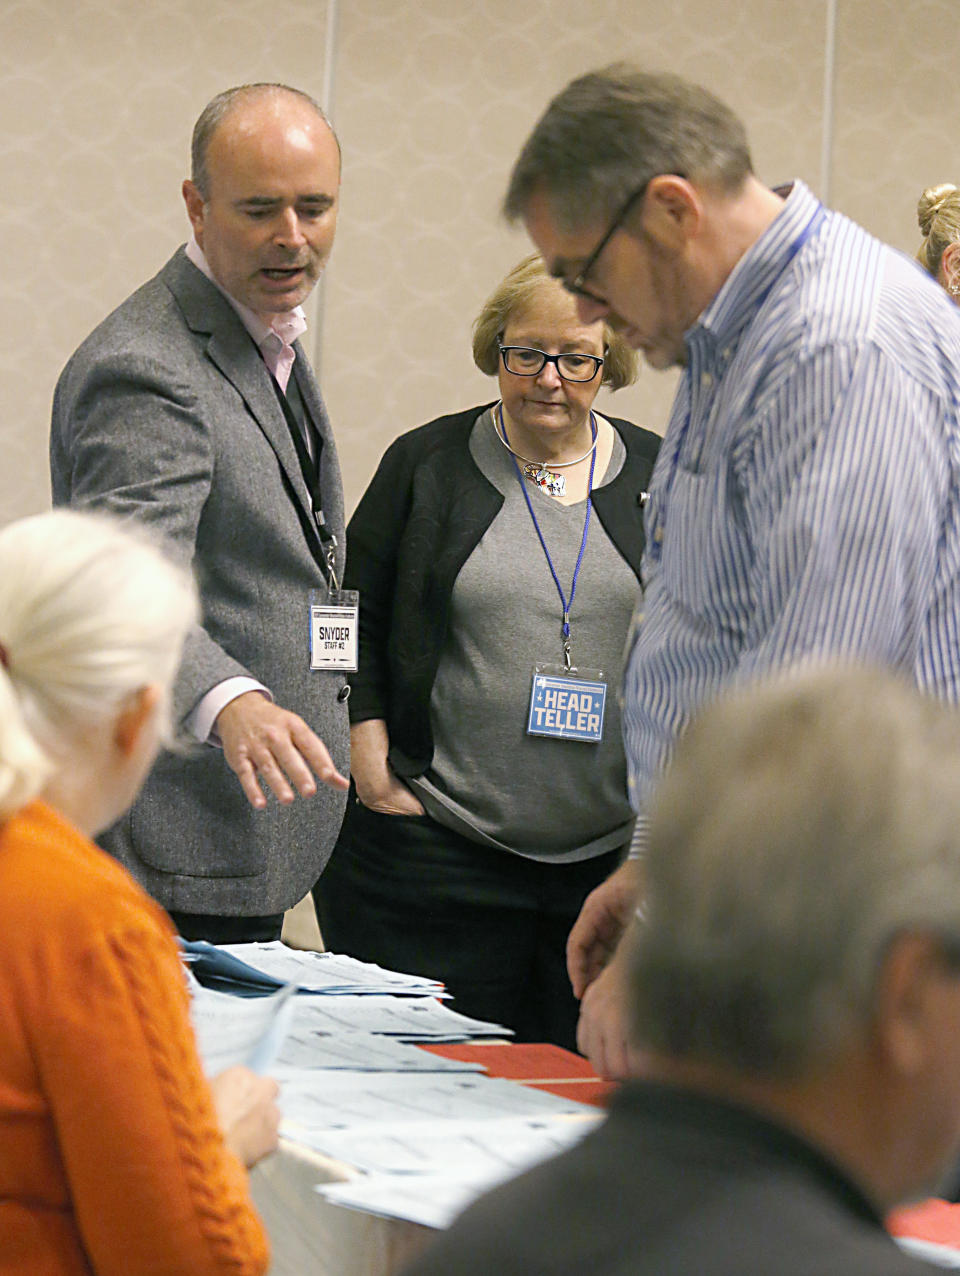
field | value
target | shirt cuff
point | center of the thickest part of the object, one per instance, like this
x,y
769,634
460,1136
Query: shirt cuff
x,y
640,839
199,722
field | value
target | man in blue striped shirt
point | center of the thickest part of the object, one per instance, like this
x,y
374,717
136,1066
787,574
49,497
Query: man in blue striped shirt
x,y
806,502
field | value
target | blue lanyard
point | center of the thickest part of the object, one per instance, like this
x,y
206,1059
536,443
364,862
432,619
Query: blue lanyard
x,y
567,606
811,228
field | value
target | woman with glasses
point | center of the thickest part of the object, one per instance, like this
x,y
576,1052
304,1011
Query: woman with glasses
x,y
497,555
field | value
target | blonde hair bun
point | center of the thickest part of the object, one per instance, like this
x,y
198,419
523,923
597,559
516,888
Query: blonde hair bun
x,y
930,203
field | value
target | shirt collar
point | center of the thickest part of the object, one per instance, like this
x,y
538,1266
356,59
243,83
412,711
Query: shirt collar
x,y
288,326
759,268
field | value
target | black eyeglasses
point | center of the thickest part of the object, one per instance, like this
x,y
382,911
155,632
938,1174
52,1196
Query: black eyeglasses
x,y
576,285
523,361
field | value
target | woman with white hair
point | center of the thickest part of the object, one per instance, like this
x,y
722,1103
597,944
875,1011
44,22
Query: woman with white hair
x,y
112,1157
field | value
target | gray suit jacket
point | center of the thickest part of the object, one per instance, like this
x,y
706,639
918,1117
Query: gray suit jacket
x,y
168,413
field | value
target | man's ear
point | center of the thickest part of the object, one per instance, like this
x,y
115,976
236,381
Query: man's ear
x,y
908,1002
134,717
672,210
195,205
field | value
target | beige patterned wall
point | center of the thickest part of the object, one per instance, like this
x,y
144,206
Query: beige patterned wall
x,y
432,99
898,101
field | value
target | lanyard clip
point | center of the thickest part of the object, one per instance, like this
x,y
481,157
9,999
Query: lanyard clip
x,y
331,557
329,543
565,635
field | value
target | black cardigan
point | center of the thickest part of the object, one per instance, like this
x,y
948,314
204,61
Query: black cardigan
x,y
425,511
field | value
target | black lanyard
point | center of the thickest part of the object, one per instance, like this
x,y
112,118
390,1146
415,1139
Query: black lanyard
x,y
310,469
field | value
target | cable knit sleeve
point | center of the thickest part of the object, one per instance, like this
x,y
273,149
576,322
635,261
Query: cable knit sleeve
x,y
154,1189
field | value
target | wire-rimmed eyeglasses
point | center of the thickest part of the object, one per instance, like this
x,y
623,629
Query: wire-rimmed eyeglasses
x,y
524,361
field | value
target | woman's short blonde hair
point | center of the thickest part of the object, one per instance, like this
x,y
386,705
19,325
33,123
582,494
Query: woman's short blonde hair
x,y
938,213
517,292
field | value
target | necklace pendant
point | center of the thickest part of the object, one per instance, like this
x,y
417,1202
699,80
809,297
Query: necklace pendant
x,y
553,484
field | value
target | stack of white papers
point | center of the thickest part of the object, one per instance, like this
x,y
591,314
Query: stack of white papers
x,y
406,1018
321,1112
328,972
283,1032
425,1134
457,1167
359,1052
427,1145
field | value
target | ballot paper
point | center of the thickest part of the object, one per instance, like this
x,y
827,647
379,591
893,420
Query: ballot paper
x,y
315,1107
231,1030
456,1150
359,1052
359,1033
471,1164
405,1018
325,972
266,1035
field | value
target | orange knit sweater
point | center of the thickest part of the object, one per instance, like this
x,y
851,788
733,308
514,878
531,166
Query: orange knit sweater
x,y
111,1158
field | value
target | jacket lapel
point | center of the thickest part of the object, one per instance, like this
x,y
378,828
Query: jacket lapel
x,y
230,347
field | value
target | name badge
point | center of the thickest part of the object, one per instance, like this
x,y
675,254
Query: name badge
x,y
567,705
333,631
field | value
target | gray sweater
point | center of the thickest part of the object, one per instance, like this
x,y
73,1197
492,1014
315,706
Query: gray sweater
x,y
547,799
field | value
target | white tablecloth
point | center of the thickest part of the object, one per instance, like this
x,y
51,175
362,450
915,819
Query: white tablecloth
x,y
311,1237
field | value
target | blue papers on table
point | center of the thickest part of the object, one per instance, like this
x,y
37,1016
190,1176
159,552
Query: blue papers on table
x,y
259,968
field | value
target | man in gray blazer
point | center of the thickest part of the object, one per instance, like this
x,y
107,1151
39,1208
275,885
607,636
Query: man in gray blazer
x,y
192,408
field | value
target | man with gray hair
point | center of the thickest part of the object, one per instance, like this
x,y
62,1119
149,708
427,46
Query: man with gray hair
x,y
193,408
795,994
805,502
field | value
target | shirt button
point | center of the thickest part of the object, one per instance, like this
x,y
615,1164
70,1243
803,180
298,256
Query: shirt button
x,y
706,379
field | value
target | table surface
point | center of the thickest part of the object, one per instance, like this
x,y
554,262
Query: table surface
x,y
311,1236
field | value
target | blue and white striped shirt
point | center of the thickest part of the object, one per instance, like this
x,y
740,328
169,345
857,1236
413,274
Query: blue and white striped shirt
x,y
805,503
